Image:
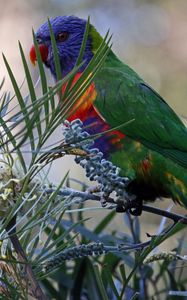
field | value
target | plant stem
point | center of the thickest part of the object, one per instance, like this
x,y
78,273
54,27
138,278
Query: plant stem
x,y
35,288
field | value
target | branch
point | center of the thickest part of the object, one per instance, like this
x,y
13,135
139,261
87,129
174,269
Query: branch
x,y
85,196
172,216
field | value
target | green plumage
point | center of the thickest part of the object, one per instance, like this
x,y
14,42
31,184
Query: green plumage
x,y
124,96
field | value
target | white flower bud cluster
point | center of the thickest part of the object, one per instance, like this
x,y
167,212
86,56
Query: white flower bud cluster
x,y
97,168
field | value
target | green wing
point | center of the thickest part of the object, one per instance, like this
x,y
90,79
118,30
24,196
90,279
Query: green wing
x,y
123,96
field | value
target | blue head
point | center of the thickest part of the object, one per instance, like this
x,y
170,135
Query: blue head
x,y
68,31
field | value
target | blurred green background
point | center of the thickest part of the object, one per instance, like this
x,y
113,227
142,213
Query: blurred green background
x,y
150,36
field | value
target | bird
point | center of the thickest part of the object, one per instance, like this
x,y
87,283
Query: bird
x,y
152,150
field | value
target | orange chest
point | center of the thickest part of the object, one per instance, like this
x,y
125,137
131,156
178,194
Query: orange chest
x,y
84,104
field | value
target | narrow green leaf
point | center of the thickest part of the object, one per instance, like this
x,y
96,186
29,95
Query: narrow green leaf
x,y
84,41
123,272
81,53
11,138
50,236
100,283
52,103
44,205
108,278
30,86
55,53
102,225
2,83
4,100
42,76
135,296
49,286
20,100
40,65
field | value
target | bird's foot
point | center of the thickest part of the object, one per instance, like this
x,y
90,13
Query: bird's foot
x,y
134,206
137,210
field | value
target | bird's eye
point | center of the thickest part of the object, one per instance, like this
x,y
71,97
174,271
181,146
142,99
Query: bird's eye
x,y
62,36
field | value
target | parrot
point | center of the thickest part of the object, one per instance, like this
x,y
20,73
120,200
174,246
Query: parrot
x,y
152,150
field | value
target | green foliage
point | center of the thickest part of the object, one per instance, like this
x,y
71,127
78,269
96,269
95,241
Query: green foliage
x,y
29,212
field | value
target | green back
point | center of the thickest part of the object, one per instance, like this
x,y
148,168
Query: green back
x,y
123,96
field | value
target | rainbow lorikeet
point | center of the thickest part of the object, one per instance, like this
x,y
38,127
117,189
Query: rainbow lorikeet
x,y
152,150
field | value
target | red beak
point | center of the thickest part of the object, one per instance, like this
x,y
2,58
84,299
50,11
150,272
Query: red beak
x,y
43,51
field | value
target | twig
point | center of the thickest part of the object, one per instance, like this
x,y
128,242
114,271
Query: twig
x,y
85,196
35,288
164,213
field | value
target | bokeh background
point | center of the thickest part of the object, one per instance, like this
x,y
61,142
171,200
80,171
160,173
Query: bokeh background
x,y
150,36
